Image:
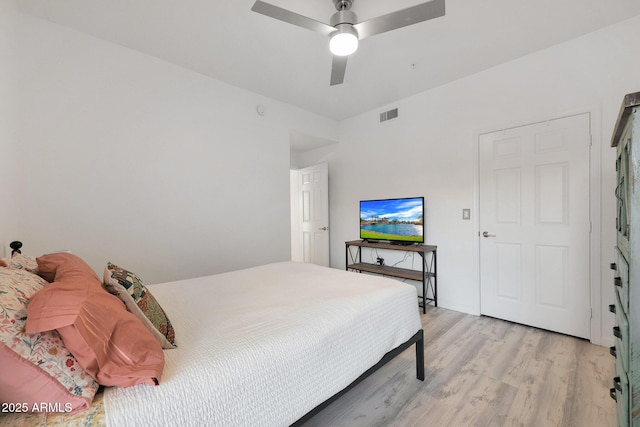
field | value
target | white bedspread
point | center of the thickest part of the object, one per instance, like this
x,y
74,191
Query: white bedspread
x,y
265,345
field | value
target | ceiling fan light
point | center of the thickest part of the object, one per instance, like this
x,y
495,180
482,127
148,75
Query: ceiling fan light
x,y
343,43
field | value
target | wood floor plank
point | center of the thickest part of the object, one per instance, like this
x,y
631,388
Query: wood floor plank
x,y
484,372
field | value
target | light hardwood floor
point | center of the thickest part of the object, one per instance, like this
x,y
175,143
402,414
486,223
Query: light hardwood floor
x,y
482,371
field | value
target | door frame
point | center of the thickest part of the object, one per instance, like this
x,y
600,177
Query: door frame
x,y
296,227
595,172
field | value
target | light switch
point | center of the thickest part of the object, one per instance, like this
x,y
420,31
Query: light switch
x,y
466,213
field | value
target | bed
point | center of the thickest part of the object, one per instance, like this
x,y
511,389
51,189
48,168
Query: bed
x,y
270,345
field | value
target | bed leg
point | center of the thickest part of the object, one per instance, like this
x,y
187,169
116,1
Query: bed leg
x,y
420,356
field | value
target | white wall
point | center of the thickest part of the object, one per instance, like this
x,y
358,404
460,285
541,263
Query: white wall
x,y
8,11
127,158
429,150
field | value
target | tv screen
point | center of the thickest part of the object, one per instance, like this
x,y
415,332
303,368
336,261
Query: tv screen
x,y
396,220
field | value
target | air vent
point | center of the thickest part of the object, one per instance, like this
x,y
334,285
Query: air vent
x,y
388,115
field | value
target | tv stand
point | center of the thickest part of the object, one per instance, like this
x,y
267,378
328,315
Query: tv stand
x,y
428,275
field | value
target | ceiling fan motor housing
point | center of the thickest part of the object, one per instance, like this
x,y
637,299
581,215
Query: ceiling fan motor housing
x,y
343,17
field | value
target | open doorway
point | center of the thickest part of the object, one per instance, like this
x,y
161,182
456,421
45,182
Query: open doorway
x,y
310,214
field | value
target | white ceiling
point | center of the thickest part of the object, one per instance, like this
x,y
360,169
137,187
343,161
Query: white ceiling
x,y
225,40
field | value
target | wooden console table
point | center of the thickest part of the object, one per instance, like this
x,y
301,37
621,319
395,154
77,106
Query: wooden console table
x,y
428,275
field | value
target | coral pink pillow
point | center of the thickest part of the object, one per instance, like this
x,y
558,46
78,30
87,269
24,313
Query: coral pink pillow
x,y
55,266
110,343
37,368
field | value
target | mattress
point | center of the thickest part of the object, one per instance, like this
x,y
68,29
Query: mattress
x,y
265,345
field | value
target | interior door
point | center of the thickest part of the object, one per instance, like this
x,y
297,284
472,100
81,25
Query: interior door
x,y
314,213
535,225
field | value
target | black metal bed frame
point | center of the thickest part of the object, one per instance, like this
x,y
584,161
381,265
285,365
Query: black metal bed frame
x,y
417,339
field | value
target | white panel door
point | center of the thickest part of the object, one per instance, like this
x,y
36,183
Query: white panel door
x,y
314,212
535,225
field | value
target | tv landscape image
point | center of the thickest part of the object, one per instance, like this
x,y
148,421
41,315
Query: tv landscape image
x,y
396,220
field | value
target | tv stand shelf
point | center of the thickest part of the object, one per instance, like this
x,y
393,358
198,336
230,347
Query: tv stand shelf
x,y
428,275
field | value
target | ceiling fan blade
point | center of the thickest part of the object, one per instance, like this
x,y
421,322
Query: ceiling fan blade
x,y
338,68
291,18
402,18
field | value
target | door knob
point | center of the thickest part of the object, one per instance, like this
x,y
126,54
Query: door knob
x,y
486,234
323,228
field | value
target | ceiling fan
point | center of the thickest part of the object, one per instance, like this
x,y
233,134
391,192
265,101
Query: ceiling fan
x,y
344,29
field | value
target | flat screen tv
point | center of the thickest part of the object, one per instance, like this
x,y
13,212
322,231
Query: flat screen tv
x,y
396,220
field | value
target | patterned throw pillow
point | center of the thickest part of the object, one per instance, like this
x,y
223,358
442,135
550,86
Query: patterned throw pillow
x,y
22,262
139,301
36,369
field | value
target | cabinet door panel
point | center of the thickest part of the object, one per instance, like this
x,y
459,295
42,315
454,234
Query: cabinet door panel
x,y
621,386
622,281
622,336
